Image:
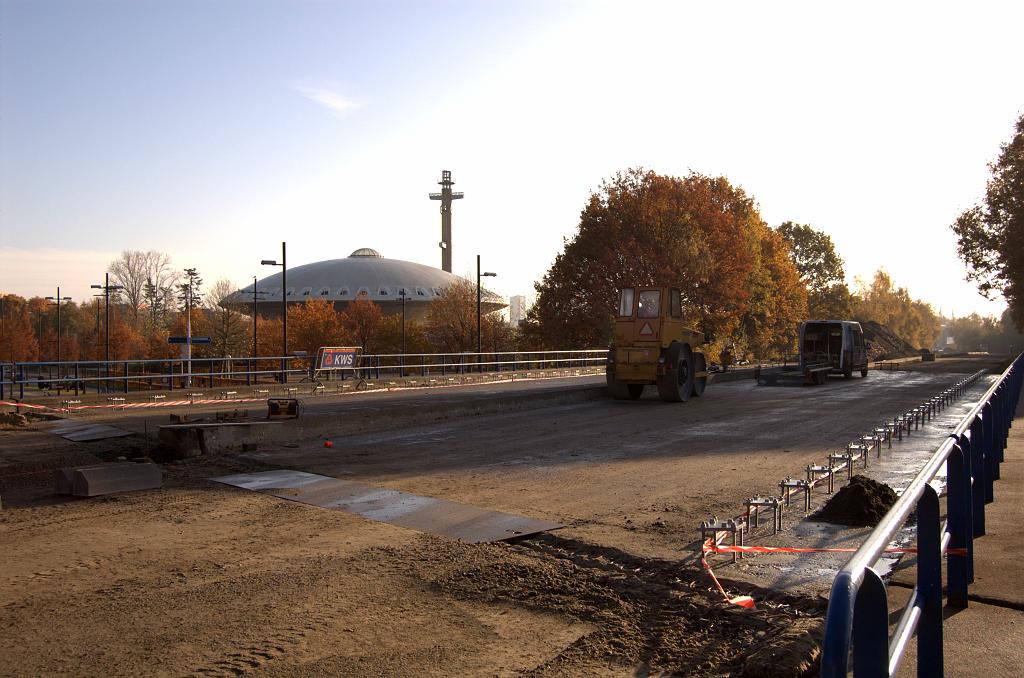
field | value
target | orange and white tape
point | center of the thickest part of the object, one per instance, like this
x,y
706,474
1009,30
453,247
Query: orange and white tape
x,y
122,406
710,547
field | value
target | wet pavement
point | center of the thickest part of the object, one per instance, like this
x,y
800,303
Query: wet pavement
x,y
897,467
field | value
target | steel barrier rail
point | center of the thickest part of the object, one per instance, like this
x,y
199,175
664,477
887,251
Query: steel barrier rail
x,y
119,375
858,612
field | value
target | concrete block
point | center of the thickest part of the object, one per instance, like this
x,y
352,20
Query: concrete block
x,y
64,478
179,441
93,481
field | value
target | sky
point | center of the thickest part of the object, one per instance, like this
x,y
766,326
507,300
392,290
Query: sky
x,y
214,130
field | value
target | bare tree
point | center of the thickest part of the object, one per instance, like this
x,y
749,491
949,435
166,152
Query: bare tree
x,y
134,269
217,293
229,329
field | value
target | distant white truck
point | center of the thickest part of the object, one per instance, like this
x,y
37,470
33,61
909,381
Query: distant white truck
x,y
832,347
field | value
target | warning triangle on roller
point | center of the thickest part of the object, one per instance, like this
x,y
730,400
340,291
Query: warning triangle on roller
x,y
646,330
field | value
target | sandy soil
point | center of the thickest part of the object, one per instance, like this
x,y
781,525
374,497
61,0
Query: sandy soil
x,y
201,579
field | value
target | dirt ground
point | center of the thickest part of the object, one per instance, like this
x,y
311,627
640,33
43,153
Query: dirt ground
x,y
202,579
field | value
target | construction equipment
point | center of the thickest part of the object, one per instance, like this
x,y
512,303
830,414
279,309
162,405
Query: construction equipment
x,y
654,346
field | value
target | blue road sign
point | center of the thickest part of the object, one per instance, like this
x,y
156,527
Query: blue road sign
x,y
184,340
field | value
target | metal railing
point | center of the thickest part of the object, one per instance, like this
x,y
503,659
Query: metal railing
x,y
126,376
858,611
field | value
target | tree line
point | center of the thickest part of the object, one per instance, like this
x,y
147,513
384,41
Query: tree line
x,y
745,283
155,302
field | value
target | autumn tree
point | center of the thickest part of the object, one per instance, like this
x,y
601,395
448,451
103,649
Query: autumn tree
x,y
388,337
496,335
883,302
991,236
697,233
270,336
777,300
973,332
229,330
313,324
17,336
451,318
361,319
126,341
821,270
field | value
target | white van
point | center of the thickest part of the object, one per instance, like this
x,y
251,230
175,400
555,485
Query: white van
x,y
838,344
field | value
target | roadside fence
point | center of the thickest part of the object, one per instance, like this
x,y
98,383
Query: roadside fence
x,y
857,621
127,376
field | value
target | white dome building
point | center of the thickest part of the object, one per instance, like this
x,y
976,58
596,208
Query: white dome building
x,y
364,274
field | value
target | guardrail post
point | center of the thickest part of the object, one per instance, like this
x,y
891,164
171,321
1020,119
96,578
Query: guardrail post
x,y
871,628
929,584
21,383
977,478
958,505
992,454
985,429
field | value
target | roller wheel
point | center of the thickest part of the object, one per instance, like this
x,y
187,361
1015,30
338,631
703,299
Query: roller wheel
x,y
864,372
700,364
676,385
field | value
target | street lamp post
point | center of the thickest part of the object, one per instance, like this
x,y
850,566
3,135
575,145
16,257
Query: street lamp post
x,y
284,306
106,287
486,274
57,300
402,294
255,354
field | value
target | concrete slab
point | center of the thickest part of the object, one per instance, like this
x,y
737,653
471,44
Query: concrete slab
x,y
92,481
425,514
83,431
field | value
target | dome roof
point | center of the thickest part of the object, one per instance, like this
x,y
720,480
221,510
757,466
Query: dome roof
x,y
363,274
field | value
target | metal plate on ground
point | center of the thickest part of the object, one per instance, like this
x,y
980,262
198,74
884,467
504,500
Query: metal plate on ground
x,y
83,431
426,514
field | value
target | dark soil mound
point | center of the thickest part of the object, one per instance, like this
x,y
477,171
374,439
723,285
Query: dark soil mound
x,y
861,503
884,344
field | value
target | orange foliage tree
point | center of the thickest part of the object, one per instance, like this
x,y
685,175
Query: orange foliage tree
x,y
313,324
451,318
17,336
361,319
777,300
697,233
388,337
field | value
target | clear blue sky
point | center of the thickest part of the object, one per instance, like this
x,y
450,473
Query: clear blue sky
x,y
214,130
